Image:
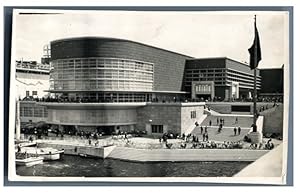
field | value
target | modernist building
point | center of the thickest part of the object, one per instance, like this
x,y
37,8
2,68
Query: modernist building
x,y
32,79
220,78
108,84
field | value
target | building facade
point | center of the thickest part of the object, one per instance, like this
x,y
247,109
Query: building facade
x,y
32,79
272,83
231,79
105,84
108,85
108,69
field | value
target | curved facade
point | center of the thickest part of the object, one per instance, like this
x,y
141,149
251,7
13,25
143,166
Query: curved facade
x,y
105,77
93,63
103,74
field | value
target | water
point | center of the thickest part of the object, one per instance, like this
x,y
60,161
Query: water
x,y
74,166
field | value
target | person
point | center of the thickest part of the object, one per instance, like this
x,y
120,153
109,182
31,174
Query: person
x,y
30,139
234,130
195,145
194,138
204,136
219,129
239,130
169,145
254,128
183,145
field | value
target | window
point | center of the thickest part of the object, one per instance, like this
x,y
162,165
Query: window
x,y
27,93
157,128
193,114
34,93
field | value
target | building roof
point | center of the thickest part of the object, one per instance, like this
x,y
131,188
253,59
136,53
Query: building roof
x,y
222,57
115,39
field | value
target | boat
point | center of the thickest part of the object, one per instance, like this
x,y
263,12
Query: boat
x,y
87,155
24,159
25,144
47,153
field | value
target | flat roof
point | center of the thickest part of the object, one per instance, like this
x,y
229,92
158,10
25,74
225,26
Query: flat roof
x,y
115,39
223,57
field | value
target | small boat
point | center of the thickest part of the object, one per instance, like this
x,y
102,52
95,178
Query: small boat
x,y
26,144
46,153
24,159
86,155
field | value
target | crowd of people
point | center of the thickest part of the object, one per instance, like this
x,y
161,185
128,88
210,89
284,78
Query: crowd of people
x,y
66,99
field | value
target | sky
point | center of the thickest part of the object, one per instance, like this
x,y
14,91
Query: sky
x,y
197,34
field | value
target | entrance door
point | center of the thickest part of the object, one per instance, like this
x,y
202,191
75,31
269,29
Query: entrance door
x,y
106,130
203,96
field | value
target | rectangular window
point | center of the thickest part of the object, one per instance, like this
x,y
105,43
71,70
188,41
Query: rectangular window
x,y
193,114
157,128
34,93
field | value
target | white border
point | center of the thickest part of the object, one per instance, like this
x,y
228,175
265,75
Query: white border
x,y
12,170
176,3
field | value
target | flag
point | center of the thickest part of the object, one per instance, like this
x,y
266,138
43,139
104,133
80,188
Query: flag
x,y
255,52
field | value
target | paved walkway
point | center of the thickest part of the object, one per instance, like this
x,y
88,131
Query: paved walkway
x,y
227,134
160,155
269,165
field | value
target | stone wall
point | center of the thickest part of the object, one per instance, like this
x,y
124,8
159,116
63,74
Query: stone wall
x,y
273,120
225,107
187,122
159,114
175,117
92,116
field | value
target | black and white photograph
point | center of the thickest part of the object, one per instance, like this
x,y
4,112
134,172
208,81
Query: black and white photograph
x,y
144,96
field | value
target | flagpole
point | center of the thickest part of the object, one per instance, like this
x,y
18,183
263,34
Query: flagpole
x,y
254,91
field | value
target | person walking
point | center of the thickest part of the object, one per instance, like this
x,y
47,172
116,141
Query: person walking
x,y
206,136
234,130
239,130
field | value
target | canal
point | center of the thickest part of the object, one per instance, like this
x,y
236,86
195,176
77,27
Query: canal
x,y
75,166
